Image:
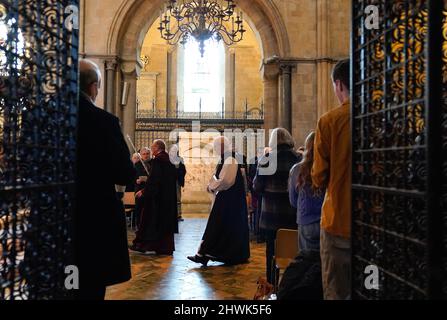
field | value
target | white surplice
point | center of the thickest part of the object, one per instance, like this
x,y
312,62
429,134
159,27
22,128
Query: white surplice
x,y
226,180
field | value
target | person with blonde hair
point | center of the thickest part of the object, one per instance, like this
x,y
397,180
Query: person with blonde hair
x,y
226,237
276,212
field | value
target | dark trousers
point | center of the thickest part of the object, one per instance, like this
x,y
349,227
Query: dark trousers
x,y
90,293
270,237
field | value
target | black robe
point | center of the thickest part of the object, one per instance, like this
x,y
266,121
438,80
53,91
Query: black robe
x,y
139,202
226,236
159,216
100,237
141,172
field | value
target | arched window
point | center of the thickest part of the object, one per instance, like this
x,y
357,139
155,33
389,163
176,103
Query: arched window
x,y
204,77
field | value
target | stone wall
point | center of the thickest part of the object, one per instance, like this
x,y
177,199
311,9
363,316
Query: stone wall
x,y
304,100
303,37
245,86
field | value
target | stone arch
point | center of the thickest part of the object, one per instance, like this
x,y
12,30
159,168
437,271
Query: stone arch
x,y
134,18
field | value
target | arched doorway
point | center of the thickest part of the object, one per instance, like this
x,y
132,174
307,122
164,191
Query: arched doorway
x,y
127,34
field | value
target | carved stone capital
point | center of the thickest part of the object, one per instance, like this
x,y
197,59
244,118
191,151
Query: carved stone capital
x,y
270,71
131,67
287,67
111,64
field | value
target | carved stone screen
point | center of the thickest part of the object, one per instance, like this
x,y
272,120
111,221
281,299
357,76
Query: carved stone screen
x,y
397,88
38,115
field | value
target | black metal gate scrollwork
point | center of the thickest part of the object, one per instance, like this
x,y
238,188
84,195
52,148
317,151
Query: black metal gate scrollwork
x,y
38,115
397,149
444,145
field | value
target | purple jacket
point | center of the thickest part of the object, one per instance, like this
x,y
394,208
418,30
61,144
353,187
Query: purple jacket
x,y
307,203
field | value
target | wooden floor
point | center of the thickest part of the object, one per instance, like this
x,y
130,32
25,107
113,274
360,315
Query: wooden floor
x,y
177,278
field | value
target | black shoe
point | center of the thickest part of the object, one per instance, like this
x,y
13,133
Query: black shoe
x,y
199,259
136,249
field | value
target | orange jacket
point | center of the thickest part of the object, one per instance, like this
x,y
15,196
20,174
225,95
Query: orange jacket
x,y
332,169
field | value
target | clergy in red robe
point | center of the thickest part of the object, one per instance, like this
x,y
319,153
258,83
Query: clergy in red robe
x,y
159,221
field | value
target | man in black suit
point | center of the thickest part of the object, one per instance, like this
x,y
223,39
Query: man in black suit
x,y
142,168
101,251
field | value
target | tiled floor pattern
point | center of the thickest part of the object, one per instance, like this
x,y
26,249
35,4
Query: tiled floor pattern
x,y
177,278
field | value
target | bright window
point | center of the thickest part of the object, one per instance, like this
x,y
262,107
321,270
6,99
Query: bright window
x,y
17,48
204,78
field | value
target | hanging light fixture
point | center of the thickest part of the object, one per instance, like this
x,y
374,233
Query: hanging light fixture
x,y
203,20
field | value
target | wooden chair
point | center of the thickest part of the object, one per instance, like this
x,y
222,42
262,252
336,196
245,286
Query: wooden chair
x,y
129,205
286,250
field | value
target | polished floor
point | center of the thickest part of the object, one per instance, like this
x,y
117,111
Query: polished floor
x,y
177,278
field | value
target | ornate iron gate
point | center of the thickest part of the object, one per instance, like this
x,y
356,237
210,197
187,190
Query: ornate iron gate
x,y
397,147
444,146
38,114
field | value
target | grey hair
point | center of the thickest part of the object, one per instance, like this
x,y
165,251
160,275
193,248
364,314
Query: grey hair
x,y
88,73
160,144
281,136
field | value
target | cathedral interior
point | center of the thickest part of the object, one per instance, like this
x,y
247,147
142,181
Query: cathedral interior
x,y
276,73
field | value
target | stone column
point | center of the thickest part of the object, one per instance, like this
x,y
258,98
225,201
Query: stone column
x,y
173,95
110,68
131,71
285,108
230,83
147,89
118,93
324,86
270,73
180,96
169,81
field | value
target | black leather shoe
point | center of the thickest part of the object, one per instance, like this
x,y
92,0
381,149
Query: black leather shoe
x,y
199,259
136,249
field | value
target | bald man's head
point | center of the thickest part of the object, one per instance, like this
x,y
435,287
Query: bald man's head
x,y
222,145
89,78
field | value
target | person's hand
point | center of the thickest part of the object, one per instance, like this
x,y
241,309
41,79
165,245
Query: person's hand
x,y
139,181
139,194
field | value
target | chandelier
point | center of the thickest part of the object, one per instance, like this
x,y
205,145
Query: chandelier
x,y
203,20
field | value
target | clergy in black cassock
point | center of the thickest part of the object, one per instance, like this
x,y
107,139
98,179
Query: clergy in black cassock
x,y
100,235
142,173
158,222
226,237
